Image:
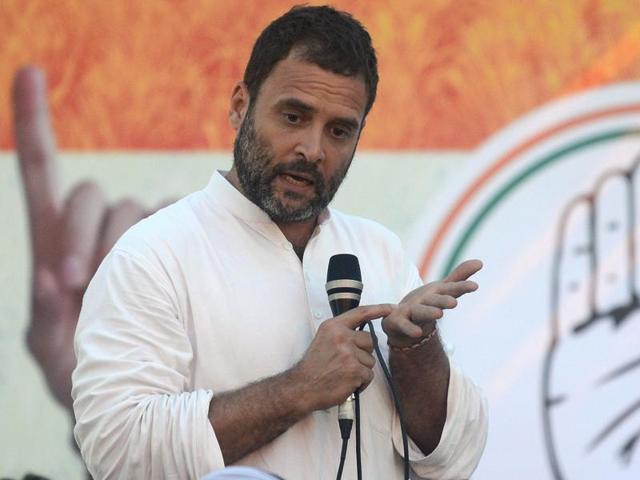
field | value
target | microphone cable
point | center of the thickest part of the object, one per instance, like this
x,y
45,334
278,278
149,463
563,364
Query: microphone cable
x,y
396,401
343,453
345,425
358,452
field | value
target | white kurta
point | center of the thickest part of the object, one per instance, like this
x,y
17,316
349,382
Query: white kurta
x,y
206,296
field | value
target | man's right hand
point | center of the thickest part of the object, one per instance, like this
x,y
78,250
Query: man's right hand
x,y
337,363
339,360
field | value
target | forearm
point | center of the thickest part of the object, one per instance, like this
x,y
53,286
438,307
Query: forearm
x,y
250,417
421,376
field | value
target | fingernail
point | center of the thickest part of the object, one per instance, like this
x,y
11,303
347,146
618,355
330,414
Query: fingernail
x,y
72,275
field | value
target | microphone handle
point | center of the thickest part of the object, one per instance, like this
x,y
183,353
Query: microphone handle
x,y
346,411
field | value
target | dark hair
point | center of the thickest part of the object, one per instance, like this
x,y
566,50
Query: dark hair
x,y
328,38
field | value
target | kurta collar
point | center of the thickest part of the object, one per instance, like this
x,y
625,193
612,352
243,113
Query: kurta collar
x,y
220,191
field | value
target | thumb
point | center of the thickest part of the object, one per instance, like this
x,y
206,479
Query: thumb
x,y
356,317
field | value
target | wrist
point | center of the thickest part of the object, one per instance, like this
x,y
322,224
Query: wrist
x,y
414,343
300,399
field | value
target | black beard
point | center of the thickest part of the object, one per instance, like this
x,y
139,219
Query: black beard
x,y
253,160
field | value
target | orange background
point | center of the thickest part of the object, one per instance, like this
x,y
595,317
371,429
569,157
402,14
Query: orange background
x,y
157,74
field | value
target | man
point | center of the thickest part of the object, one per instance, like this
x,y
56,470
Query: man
x,y
206,339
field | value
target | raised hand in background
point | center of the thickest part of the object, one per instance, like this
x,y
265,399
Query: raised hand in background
x,y
69,237
592,370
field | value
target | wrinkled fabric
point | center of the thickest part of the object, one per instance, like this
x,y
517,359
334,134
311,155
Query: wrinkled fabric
x,y
206,296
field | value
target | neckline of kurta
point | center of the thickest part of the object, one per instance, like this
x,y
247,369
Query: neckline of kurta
x,y
219,192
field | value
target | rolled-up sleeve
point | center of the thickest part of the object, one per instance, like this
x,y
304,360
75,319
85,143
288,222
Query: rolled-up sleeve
x,y
463,438
135,415
465,431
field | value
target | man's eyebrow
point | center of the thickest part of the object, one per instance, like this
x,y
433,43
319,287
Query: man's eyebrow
x,y
295,103
299,105
348,122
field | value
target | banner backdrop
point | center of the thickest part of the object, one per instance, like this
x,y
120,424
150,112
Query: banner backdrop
x,y
158,74
459,157
550,205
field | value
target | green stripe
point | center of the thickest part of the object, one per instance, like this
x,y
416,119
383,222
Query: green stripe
x,y
504,192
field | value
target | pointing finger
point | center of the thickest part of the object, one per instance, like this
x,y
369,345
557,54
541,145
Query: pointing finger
x,y
83,217
35,144
435,300
464,271
453,289
356,317
421,314
119,218
613,282
572,270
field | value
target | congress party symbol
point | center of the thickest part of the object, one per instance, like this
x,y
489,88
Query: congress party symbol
x,y
552,205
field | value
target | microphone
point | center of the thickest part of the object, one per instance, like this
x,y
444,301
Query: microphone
x,y
344,288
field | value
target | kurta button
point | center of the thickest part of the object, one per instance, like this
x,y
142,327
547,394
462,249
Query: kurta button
x,y
317,314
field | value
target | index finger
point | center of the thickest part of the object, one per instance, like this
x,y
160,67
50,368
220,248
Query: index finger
x,y
35,145
613,231
573,275
464,271
356,317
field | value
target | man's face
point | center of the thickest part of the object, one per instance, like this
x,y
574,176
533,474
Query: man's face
x,y
298,138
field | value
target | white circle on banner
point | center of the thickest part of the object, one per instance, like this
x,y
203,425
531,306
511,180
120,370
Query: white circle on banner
x,y
551,204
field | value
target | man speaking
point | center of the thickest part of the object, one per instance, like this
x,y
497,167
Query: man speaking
x,y
206,337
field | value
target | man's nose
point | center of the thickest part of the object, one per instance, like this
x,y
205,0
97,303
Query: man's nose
x,y
311,145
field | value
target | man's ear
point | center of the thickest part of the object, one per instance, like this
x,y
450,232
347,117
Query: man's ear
x,y
239,104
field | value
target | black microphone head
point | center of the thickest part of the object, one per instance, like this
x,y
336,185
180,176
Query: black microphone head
x,y
344,283
344,266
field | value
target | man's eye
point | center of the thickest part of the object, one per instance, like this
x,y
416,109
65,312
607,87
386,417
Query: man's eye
x,y
340,132
292,117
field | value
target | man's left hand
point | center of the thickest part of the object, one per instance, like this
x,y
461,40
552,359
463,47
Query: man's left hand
x,y
418,311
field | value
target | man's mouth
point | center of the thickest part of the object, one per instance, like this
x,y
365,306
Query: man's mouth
x,y
298,179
